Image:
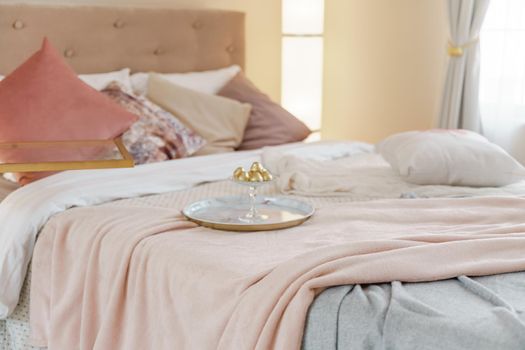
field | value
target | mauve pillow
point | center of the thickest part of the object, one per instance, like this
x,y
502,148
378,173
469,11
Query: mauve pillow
x,y
44,100
269,123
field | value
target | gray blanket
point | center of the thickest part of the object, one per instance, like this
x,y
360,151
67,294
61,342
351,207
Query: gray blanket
x,y
463,313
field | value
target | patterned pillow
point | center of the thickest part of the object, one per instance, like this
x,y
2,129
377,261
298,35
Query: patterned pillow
x,y
157,135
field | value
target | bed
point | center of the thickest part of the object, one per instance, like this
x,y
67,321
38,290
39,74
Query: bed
x,y
435,307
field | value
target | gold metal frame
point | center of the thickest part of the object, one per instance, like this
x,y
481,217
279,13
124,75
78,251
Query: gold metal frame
x,y
125,162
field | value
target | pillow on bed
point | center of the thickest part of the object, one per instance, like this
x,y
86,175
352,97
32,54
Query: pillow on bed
x,y
100,81
157,135
43,100
219,120
210,81
269,123
450,157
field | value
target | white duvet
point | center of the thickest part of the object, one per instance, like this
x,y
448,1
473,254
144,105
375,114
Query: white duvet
x,y
25,211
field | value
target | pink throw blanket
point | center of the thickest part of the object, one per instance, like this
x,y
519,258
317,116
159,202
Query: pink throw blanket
x,y
144,278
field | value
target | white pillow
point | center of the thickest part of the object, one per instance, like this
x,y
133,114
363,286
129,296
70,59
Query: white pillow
x,y
450,157
209,82
100,81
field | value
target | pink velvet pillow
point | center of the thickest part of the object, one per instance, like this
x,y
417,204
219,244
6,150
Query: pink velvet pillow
x,y
269,123
43,100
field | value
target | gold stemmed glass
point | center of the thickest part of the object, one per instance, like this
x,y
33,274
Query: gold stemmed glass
x,y
256,177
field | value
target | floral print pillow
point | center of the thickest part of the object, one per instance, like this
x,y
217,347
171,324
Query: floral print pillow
x,y
157,135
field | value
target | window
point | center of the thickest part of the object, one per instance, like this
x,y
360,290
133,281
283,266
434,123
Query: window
x,y
502,79
302,60
502,86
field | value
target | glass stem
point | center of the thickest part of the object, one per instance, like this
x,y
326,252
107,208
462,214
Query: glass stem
x,y
253,194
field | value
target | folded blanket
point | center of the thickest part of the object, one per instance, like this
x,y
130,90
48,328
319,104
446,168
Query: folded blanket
x,y
144,278
333,169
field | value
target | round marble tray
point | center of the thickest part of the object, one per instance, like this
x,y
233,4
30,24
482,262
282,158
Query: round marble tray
x,y
227,213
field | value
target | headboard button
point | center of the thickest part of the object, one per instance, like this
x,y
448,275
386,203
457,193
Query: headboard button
x,y
69,53
18,24
158,52
119,24
197,25
230,49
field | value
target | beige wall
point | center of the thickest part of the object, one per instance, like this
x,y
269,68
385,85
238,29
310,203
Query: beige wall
x,y
384,64
263,31
384,59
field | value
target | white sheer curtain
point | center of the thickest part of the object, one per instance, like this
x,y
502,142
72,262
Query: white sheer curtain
x,y
460,104
502,81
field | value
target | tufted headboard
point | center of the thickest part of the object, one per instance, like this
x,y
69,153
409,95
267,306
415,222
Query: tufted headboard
x,y
101,39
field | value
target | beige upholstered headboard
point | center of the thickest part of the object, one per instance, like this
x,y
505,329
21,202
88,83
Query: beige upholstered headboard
x,y
101,39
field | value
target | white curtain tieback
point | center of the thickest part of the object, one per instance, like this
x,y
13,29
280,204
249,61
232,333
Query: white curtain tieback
x,y
454,50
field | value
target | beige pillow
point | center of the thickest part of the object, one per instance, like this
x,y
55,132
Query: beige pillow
x,y
219,120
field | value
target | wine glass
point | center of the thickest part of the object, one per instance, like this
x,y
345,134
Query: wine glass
x,y
252,215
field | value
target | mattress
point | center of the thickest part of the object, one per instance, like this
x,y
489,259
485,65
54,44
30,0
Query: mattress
x,y
366,316
14,331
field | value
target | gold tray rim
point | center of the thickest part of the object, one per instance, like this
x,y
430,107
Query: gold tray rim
x,y
248,227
